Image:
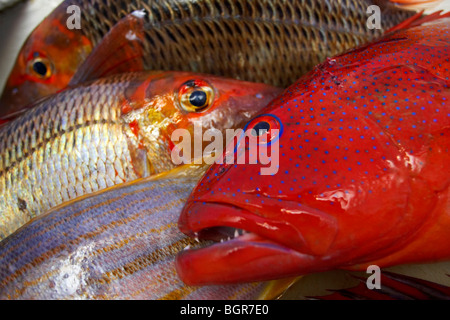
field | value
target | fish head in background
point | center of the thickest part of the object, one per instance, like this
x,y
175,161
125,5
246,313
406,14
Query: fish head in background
x,y
170,114
362,171
46,62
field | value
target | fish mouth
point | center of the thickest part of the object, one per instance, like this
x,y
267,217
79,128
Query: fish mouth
x,y
9,100
246,247
14,100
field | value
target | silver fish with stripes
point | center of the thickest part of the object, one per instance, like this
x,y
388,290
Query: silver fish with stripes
x,y
120,243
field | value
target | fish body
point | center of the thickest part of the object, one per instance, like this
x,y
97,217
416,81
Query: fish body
x,y
363,179
118,244
271,41
110,131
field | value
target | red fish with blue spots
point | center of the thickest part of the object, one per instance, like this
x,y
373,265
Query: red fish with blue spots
x,y
362,178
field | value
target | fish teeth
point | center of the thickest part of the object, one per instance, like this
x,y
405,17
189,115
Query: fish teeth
x,y
196,236
236,233
187,247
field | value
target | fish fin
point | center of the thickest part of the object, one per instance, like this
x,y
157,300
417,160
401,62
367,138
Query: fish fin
x,y
418,19
394,286
119,51
416,4
415,287
406,23
431,17
275,288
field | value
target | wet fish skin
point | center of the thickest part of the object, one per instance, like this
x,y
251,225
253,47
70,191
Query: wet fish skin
x,y
363,177
117,244
106,132
271,41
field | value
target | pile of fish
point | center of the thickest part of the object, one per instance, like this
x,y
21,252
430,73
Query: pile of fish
x,y
357,121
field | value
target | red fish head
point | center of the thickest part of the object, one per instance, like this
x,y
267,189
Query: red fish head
x,y
46,62
360,147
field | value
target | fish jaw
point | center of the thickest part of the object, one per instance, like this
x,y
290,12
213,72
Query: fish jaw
x,y
267,247
246,259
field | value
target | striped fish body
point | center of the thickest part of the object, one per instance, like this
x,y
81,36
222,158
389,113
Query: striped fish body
x,y
270,41
117,244
107,132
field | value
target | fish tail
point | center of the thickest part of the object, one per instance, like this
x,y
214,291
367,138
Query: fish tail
x,y
418,19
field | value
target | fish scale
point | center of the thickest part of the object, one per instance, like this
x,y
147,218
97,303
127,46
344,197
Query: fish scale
x,y
118,244
362,174
180,28
268,41
36,169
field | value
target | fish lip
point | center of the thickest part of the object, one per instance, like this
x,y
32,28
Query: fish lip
x,y
239,218
234,261
274,247
254,256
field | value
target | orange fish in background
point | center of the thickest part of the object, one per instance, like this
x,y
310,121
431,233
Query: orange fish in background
x,y
46,63
363,178
244,39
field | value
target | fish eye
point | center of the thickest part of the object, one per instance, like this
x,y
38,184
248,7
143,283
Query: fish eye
x,y
195,96
267,128
198,98
260,128
40,67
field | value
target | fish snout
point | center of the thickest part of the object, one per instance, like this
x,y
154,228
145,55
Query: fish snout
x,y
16,98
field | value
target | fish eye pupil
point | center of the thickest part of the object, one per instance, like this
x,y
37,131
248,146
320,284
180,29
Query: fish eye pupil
x,y
260,128
198,98
40,68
